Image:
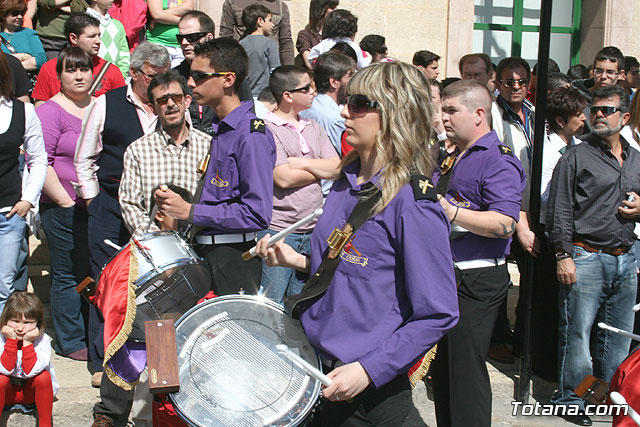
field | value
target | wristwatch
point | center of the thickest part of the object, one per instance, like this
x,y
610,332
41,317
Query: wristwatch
x,y
562,255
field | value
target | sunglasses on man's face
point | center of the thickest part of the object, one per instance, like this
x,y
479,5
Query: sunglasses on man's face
x,y
304,89
606,110
360,103
512,82
191,37
198,76
175,97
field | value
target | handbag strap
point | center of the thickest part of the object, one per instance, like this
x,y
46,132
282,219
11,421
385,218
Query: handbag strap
x,y
8,45
319,282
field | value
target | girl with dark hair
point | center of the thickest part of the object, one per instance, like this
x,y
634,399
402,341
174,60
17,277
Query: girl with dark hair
x,y
19,126
340,26
26,372
63,213
312,33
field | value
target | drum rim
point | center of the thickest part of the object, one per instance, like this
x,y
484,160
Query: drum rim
x,y
303,415
180,262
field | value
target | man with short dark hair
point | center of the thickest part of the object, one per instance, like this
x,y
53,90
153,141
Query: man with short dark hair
x,y
482,198
331,74
592,210
195,27
608,69
632,76
83,31
237,196
427,62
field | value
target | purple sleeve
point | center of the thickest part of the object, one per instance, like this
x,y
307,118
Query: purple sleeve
x,y
253,210
431,296
49,117
503,187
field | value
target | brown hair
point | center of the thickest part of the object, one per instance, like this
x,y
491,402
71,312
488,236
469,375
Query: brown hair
x,y
25,303
564,103
7,6
73,57
5,77
476,57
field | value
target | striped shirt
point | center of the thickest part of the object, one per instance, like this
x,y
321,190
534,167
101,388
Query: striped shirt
x,y
153,160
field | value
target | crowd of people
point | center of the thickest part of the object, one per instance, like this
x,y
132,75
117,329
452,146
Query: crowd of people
x,y
122,118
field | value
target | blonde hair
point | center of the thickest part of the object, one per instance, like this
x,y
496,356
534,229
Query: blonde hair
x,y
406,116
25,303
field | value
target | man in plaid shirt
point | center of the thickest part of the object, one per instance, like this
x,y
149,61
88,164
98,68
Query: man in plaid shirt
x,y
167,156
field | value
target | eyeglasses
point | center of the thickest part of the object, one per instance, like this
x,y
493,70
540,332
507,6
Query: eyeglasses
x,y
148,76
606,110
599,71
304,89
191,37
17,12
360,103
198,76
175,97
512,83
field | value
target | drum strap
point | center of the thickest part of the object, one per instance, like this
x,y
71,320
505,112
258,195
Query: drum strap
x,y
318,284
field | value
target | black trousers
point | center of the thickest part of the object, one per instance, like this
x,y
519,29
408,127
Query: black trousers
x,y
105,222
229,272
387,406
461,386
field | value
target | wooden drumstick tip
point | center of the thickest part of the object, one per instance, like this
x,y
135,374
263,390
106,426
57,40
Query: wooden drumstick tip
x,y
247,255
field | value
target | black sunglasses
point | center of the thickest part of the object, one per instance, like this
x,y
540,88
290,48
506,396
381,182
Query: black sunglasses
x,y
360,103
198,76
512,82
17,12
306,88
607,110
192,37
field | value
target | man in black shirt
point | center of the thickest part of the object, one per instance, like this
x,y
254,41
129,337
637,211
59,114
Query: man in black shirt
x,y
593,207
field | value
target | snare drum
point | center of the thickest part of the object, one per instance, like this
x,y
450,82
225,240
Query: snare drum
x,y
230,371
172,277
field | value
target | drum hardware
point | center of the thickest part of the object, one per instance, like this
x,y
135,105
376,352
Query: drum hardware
x,y
113,245
144,251
86,288
284,233
338,239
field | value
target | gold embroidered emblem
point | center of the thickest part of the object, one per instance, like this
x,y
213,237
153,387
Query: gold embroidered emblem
x,y
219,182
257,124
457,200
425,185
154,376
355,257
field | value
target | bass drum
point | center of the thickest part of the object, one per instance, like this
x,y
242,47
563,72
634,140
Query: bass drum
x,y
230,371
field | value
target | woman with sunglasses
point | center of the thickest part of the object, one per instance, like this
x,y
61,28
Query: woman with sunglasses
x,y
21,42
63,213
392,296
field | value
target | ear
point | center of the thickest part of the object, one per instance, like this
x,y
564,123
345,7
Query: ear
x,y
625,118
560,122
334,83
229,80
209,36
73,38
479,116
187,101
259,22
622,76
156,109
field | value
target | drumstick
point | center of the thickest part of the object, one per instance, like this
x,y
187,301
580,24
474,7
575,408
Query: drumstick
x,y
603,325
113,245
619,399
284,233
636,308
304,365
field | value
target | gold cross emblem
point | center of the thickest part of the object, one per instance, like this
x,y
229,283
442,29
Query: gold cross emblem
x,y
257,124
425,185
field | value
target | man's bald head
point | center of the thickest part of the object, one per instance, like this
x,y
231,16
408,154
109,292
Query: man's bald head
x,y
471,93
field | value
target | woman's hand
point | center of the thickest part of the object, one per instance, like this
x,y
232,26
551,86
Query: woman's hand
x,y
347,382
31,336
9,332
21,208
281,255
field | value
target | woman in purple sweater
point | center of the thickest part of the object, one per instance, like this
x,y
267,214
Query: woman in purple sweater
x,y
63,213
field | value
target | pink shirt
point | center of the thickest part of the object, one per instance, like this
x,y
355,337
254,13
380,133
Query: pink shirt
x,y
309,141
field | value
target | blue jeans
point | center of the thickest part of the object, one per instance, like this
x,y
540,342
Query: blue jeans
x,y
12,232
66,231
605,291
279,282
